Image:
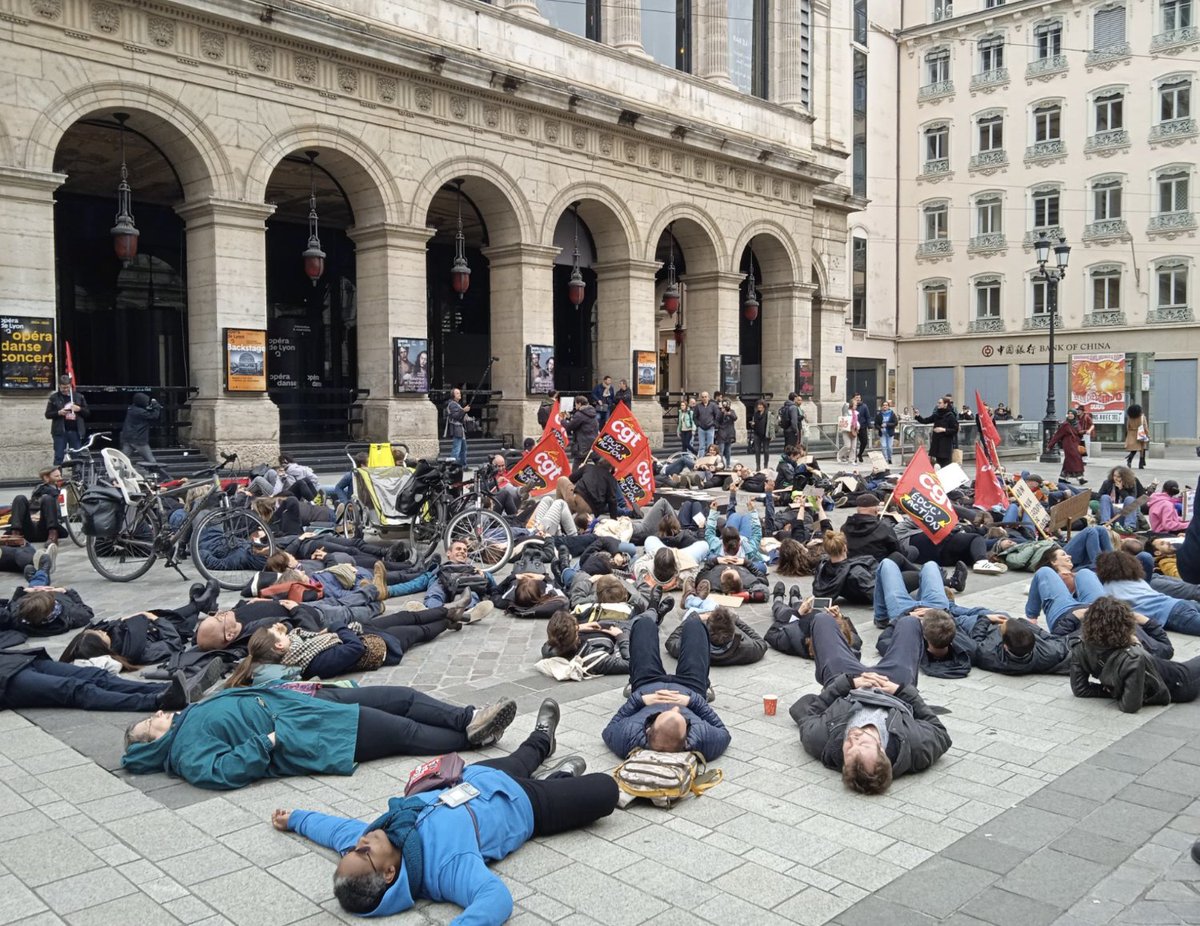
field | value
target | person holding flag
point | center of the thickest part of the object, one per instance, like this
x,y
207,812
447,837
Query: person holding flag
x,y
66,410
581,428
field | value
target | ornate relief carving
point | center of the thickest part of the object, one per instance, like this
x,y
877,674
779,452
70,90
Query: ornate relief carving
x,y
306,68
262,57
759,183
347,80
106,17
655,157
424,98
699,167
578,137
212,45
458,107
606,145
552,131
776,188
48,9
387,89
631,151
721,173
739,178
491,115
677,163
522,123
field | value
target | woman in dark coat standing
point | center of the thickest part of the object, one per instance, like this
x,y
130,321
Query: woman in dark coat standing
x,y
1136,439
1070,438
945,426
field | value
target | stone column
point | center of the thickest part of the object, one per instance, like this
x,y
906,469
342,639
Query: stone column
x,y
27,287
621,25
786,317
227,288
523,8
829,332
785,35
711,317
625,309
712,29
391,275
522,302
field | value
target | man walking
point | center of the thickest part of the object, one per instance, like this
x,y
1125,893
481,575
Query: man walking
x,y
66,410
864,426
706,415
456,414
790,416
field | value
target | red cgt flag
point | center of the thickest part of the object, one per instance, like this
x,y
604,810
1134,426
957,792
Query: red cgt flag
x,y
554,426
541,468
70,363
919,494
620,440
988,492
637,479
987,427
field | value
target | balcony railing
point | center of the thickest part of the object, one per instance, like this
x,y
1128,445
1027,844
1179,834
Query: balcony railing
x,y
1109,55
1172,129
1105,228
935,167
935,247
938,327
989,80
1055,148
1175,38
1174,313
943,11
982,244
979,325
936,91
1050,233
1041,320
1112,140
1171,222
988,160
1104,318
1045,67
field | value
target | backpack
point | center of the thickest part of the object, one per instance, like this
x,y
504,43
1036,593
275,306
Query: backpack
x,y
664,778
103,511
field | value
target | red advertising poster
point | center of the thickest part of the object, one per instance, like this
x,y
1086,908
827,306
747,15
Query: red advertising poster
x,y
1098,384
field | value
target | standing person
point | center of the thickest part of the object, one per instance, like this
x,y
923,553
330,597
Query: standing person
x,y
790,417
727,431
1137,435
66,410
1070,440
583,424
885,423
706,416
602,399
685,427
945,426
456,413
846,421
1087,428
143,411
760,433
623,394
864,426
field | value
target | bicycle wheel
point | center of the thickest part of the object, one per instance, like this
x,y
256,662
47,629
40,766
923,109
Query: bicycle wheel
x,y
71,514
130,553
487,535
353,520
228,556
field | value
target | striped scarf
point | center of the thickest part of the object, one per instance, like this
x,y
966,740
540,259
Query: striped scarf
x,y
305,645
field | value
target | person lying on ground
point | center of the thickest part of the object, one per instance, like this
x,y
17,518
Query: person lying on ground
x,y
567,637
44,610
241,735
949,652
1124,578
423,848
791,624
732,642
232,628
603,597
458,574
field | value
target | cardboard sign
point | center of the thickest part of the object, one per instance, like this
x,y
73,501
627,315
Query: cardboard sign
x,y
1031,506
1070,510
951,477
878,461
920,495
1127,509
1189,500
542,467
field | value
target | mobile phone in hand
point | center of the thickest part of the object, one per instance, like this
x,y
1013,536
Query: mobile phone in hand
x,y
822,604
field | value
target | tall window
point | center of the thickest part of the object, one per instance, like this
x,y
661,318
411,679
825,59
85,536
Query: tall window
x,y
1047,122
1173,191
667,32
991,54
1172,281
860,22
1047,39
991,133
1176,14
987,299
988,215
749,40
858,304
1175,100
937,142
580,18
937,222
1040,293
937,66
859,154
1045,209
806,53
1106,289
935,302
1108,28
1110,111
1106,200
992,4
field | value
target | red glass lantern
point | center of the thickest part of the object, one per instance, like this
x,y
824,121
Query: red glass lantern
x,y
124,232
460,270
670,299
750,307
314,257
576,288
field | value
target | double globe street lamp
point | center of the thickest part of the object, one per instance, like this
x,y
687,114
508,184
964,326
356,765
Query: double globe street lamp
x,y
1053,275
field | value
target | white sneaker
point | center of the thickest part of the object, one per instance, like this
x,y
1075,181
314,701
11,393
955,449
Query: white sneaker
x,y
987,567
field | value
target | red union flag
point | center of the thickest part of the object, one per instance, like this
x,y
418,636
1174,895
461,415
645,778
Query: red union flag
x,y
988,493
637,478
920,495
620,440
987,427
554,426
539,470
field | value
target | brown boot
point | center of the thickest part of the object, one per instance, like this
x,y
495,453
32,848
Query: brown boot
x,y
379,580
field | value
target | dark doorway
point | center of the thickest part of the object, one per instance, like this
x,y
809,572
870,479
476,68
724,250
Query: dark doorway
x,y
575,325
750,332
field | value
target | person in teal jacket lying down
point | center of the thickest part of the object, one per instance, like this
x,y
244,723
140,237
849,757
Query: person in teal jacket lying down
x,y
240,735
424,848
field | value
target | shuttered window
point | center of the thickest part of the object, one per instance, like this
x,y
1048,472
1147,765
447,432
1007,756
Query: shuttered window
x,y
1109,27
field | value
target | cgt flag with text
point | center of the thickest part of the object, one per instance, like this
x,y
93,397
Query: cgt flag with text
x,y
554,426
620,440
637,482
920,495
540,469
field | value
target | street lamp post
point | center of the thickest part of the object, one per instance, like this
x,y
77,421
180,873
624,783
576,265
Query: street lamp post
x,y
1053,276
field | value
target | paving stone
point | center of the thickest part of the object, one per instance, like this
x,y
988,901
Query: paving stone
x,y
938,886
87,890
135,908
876,910
985,851
187,909
1027,827
47,856
159,834
1003,908
19,901
1049,875
610,900
867,871
253,897
1146,793
761,887
203,864
1124,821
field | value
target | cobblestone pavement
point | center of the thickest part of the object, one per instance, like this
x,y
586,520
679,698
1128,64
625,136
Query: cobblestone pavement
x,y
1046,809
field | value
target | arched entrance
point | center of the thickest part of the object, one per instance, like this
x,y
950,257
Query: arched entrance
x,y
125,320
312,318
773,314
574,322
750,326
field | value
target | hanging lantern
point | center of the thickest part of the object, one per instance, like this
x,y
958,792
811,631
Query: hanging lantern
x,y
670,299
750,303
314,257
460,272
576,288
124,232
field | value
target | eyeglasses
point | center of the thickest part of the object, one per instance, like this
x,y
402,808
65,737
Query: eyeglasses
x,y
366,852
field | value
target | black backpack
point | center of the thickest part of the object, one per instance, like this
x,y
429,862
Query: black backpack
x,y
102,509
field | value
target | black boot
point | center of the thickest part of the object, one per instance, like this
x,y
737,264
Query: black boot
x,y
653,599
175,698
777,591
547,722
663,608
795,597
566,767
204,597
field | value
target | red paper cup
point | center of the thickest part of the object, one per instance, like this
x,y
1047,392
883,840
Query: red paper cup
x,y
770,703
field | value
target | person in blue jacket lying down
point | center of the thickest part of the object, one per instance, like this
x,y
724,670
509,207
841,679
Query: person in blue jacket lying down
x,y
422,847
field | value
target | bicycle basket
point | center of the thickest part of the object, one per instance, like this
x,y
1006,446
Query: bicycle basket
x,y
419,488
102,509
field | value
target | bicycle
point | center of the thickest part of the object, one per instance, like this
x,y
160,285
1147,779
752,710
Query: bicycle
x,y
470,518
226,544
84,474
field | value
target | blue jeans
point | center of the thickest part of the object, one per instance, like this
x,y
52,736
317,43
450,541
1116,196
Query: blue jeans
x,y
892,598
1085,545
39,578
727,452
69,438
685,441
686,461
1185,618
343,490
458,449
645,660
834,657
1107,511
885,440
1013,515
1049,593
705,438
